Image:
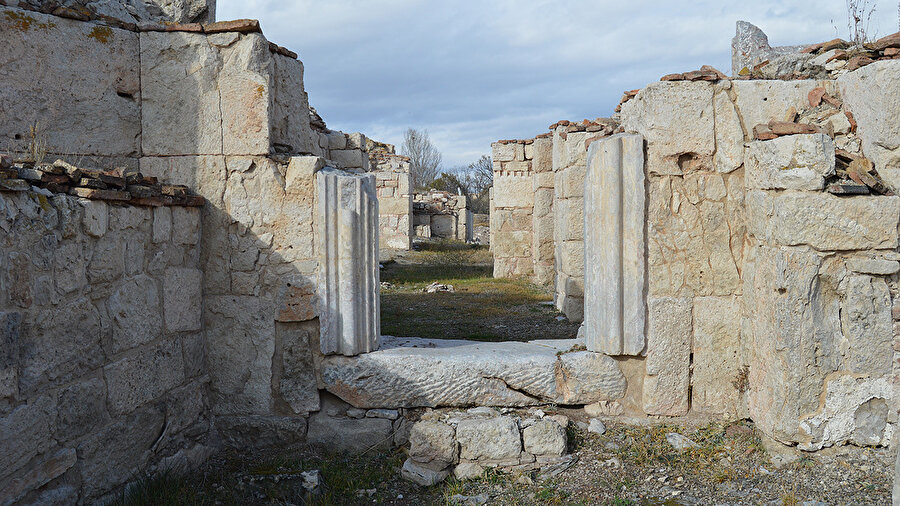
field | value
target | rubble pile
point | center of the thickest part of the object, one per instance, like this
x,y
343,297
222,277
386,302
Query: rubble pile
x,y
117,185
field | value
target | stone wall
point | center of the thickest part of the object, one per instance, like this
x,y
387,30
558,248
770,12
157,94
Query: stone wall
x,y
442,214
512,208
128,14
103,372
395,198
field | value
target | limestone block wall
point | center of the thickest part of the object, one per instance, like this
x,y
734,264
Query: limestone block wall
x,y
543,251
512,208
395,198
103,373
569,166
442,214
94,113
820,371
759,282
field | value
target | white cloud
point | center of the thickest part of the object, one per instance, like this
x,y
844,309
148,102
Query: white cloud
x,y
474,71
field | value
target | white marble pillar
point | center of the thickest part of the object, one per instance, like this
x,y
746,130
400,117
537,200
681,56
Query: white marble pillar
x,y
614,219
347,243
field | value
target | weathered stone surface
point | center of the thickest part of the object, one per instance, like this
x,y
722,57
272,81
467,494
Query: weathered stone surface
x,y
614,294
96,217
422,475
182,297
695,235
544,438
26,432
433,444
676,119
513,191
667,378
870,94
867,326
261,431
36,475
61,344
750,47
796,162
875,266
134,309
162,224
348,262
412,372
297,380
184,82
137,379
81,408
467,471
793,329
729,154
854,409
240,345
348,434
824,221
764,101
491,440
98,114
113,455
185,225
716,355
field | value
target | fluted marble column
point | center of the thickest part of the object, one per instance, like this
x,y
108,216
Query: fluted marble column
x,y
615,297
347,240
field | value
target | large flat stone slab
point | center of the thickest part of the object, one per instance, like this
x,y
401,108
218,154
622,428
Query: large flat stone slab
x,y
415,372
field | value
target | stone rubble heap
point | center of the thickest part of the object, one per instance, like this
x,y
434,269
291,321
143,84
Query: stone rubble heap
x,y
120,185
753,58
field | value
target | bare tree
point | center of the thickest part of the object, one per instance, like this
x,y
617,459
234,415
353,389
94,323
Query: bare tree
x,y
424,158
481,174
859,15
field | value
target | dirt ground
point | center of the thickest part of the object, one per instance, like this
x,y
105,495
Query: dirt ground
x,y
481,308
627,465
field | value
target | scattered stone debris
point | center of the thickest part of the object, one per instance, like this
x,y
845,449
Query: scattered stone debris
x,y
469,500
121,185
439,287
596,426
680,442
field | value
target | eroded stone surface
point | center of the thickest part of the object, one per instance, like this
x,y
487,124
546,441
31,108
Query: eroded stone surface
x,y
795,162
412,372
870,94
667,378
824,221
489,440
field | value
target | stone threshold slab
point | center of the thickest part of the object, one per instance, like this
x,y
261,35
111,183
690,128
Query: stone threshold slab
x,y
414,372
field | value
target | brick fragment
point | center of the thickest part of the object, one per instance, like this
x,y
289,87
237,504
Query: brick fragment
x,y
94,194
238,25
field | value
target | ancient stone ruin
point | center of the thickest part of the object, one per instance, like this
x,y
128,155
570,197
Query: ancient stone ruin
x,y
199,269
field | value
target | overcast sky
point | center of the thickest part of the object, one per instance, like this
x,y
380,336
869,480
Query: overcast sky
x,y
475,71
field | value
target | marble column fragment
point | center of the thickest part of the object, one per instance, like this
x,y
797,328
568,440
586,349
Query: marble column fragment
x,y
614,220
348,262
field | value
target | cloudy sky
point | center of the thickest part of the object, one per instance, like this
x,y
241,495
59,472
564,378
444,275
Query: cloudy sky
x,y
474,71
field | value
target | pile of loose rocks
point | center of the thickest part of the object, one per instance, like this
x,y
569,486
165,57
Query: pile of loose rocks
x,y
854,173
467,443
826,60
117,185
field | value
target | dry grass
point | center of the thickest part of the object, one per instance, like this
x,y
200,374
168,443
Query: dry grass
x,y
482,308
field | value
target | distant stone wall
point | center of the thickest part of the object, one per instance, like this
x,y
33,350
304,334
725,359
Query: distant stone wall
x,y
395,198
512,208
103,370
442,214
